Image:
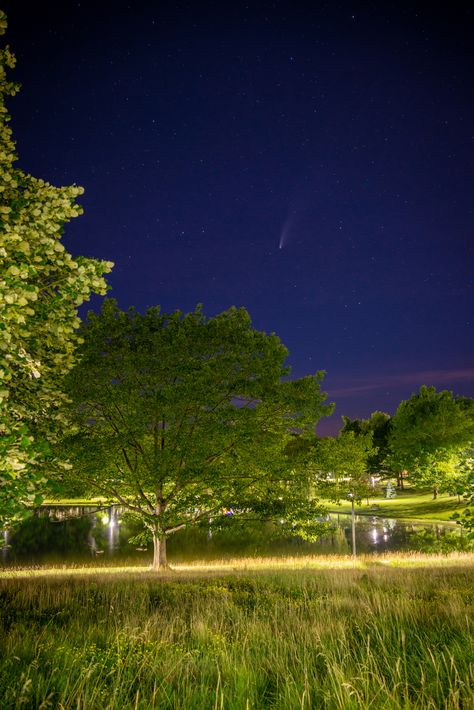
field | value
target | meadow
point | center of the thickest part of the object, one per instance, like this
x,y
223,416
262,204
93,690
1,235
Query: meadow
x,y
380,632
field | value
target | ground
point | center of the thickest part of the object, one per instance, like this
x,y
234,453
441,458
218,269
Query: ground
x,y
408,504
390,631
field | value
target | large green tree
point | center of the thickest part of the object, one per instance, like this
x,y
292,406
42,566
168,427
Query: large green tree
x,y
182,419
429,432
41,288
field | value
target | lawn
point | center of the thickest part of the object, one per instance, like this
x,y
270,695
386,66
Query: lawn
x,y
412,505
386,632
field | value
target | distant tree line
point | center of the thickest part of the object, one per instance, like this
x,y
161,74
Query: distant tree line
x,y
428,441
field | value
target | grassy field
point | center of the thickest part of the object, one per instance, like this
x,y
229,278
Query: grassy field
x,y
385,632
410,505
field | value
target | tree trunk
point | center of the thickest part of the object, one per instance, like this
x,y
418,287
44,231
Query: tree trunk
x,y
435,492
159,552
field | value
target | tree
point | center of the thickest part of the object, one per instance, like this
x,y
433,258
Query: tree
x,y
41,288
466,468
429,432
342,465
378,425
182,419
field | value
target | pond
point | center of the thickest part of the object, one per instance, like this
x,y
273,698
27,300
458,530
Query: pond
x,y
81,534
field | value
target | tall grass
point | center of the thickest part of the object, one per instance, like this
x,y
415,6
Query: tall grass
x,y
379,637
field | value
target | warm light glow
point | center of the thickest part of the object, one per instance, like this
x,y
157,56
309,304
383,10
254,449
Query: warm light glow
x,y
241,565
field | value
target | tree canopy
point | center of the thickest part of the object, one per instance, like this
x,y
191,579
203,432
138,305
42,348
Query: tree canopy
x,y
466,488
41,288
343,463
429,431
182,418
379,426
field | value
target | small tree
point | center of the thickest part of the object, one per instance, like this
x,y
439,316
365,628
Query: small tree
x,y
41,287
182,418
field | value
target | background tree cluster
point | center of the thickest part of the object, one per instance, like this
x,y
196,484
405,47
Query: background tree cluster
x,y
431,435
428,440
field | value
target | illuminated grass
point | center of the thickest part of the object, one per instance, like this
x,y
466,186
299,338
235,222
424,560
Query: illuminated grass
x,y
238,565
223,636
408,505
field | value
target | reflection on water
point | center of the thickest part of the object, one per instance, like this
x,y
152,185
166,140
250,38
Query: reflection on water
x,y
81,533
5,545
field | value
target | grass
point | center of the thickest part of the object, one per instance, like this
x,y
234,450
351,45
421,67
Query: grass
x,y
386,632
241,564
408,504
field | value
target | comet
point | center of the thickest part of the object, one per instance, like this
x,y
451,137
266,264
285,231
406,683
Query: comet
x,y
285,233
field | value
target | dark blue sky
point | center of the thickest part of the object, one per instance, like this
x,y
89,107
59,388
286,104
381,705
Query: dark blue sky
x,y
208,135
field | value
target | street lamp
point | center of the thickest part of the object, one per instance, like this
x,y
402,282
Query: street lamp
x,y
351,497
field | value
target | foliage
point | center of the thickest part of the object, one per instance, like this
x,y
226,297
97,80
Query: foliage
x,y
181,418
449,541
40,538
466,518
41,288
379,425
342,465
429,433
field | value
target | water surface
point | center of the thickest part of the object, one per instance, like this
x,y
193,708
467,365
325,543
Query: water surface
x,y
79,534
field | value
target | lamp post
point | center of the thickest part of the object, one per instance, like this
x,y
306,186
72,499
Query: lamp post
x,y
351,497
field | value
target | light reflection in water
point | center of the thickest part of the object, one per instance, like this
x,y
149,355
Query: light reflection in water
x,y
5,545
97,531
113,529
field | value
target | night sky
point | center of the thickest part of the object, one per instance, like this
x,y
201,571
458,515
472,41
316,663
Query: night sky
x,y
312,162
